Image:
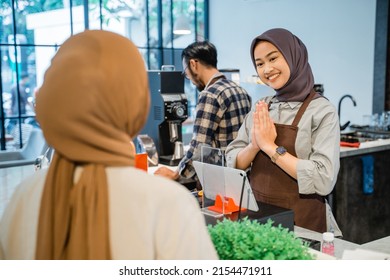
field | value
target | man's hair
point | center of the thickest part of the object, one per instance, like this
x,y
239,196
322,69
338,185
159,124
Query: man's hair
x,y
203,51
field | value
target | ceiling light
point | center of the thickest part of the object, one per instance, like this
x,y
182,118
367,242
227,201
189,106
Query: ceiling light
x,y
182,26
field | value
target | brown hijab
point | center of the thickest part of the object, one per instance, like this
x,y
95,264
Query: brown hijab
x,y
301,80
93,101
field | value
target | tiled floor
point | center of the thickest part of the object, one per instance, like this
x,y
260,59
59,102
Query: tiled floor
x,y
9,180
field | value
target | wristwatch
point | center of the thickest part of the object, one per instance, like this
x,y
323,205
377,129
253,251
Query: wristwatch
x,y
280,151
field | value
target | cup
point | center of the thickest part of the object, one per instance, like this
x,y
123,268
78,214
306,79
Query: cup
x,y
372,121
375,122
366,120
141,161
384,121
179,150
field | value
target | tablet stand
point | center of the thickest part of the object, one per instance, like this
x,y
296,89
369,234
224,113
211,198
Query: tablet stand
x,y
225,190
224,205
215,202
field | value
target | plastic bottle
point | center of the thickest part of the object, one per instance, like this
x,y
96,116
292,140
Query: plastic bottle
x,y
328,243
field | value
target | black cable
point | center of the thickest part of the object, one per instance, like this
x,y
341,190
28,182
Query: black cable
x,y
241,196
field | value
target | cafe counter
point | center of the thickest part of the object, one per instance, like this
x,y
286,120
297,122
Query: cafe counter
x,y
360,199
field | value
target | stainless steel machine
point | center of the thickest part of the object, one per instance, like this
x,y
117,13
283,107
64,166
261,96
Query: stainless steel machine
x,y
168,110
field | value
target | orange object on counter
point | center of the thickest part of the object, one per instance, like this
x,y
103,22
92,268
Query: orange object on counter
x,y
141,161
348,144
227,205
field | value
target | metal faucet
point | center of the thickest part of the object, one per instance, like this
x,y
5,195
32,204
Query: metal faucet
x,y
344,126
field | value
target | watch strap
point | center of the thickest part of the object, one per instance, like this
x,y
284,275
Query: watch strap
x,y
274,157
280,151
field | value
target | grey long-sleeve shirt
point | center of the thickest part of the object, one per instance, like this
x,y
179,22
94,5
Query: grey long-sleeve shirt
x,y
317,144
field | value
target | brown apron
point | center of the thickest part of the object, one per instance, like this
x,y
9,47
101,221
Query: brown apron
x,y
272,185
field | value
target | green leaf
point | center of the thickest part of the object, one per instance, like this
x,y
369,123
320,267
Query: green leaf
x,y
250,240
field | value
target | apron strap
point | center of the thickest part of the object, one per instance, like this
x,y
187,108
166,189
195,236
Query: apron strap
x,y
302,110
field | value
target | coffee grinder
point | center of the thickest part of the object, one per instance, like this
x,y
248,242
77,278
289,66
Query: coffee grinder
x,y
168,110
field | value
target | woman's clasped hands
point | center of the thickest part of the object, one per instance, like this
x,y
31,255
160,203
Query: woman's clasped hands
x,y
263,132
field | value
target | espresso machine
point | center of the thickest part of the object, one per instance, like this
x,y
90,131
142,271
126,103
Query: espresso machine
x,y
168,110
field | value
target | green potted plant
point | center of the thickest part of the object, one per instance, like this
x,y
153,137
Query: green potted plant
x,y
250,240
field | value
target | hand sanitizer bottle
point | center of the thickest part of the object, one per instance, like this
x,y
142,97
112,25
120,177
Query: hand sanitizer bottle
x,y
328,243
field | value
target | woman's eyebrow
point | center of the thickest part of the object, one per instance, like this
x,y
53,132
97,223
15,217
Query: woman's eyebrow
x,y
268,55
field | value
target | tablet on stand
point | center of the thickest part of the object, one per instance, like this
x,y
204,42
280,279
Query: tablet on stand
x,y
225,189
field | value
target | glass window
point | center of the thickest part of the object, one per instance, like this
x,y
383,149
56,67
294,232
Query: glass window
x,y
6,21
183,30
28,43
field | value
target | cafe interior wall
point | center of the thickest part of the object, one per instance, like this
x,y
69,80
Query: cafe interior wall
x,y
339,36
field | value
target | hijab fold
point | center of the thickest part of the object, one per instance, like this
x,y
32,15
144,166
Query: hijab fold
x,y
301,81
93,101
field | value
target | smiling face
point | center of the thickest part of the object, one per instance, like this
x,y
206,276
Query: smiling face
x,y
271,66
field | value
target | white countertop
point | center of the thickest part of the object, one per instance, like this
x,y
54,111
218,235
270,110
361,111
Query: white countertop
x,y
378,249
339,244
380,245
366,147
9,179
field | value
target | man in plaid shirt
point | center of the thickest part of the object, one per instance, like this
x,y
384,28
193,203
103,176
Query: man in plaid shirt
x,y
220,111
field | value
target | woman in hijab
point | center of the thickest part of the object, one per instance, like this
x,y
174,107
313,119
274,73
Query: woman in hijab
x,y
290,142
92,203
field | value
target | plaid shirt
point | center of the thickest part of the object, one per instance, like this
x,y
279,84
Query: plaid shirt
x,y
220,111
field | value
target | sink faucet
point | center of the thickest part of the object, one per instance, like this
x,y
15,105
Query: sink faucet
x,y
344,126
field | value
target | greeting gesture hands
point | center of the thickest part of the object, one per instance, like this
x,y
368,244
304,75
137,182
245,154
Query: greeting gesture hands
x,y
263,131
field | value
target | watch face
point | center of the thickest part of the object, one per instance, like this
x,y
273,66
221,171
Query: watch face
x,y
281,150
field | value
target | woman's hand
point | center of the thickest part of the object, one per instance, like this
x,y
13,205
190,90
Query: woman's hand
x,y
263,135
253,144
263,130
